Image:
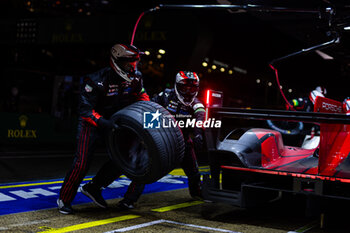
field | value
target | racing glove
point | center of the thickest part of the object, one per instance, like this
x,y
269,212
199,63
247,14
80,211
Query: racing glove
x,y
136,84
105,124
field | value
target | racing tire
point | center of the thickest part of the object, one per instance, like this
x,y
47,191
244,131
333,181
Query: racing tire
x,y
145,153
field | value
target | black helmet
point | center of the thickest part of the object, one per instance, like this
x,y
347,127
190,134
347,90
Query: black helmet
x,y
124,60
186,86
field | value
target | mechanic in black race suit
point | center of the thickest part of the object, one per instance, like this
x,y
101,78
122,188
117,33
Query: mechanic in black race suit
x,y
181,101
102,94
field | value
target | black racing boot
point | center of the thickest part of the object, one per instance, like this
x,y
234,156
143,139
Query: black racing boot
x,y
195,188
94,193
64,208
126,204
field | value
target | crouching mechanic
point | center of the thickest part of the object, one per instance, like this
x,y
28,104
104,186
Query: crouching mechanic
x,y
307,103
102,94
181,101
346,106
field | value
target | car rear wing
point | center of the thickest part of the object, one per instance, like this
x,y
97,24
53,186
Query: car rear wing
x,y
282,115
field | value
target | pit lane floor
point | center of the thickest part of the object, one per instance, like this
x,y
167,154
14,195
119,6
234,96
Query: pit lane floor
x,y
165,208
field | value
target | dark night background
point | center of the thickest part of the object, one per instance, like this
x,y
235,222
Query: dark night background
x,y
47,45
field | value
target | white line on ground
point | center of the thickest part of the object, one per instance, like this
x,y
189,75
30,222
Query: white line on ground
x,y
167,221
305,228
28,223
136,226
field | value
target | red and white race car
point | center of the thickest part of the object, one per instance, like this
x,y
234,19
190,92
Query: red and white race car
x,y
251,166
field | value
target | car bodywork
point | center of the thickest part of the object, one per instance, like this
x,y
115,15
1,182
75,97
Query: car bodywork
x,y
251,166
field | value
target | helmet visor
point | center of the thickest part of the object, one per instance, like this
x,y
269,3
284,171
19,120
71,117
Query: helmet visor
x,y
187,89
128,66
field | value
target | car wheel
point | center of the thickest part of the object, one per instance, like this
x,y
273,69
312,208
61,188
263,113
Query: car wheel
x,y
142,152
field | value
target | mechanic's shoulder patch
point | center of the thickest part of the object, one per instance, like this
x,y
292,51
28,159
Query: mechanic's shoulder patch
x,y
88,88
198,106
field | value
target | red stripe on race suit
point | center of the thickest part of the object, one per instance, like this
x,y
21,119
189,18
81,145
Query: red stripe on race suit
x,y
89,120
80,172
66,192
77,170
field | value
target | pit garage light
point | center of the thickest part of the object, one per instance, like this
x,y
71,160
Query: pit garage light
x,y
222,69
230,71
207,103
161,51
258,81
26,31
219,63
159,56
240,70
213,67
204,64
324,55
207,100
147,53
269,84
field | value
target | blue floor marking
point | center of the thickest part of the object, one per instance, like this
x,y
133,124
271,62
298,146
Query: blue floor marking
x,y
38,197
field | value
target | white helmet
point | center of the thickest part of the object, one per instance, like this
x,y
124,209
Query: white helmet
x,y
319,91
186,86
346,106
124,60
322,90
